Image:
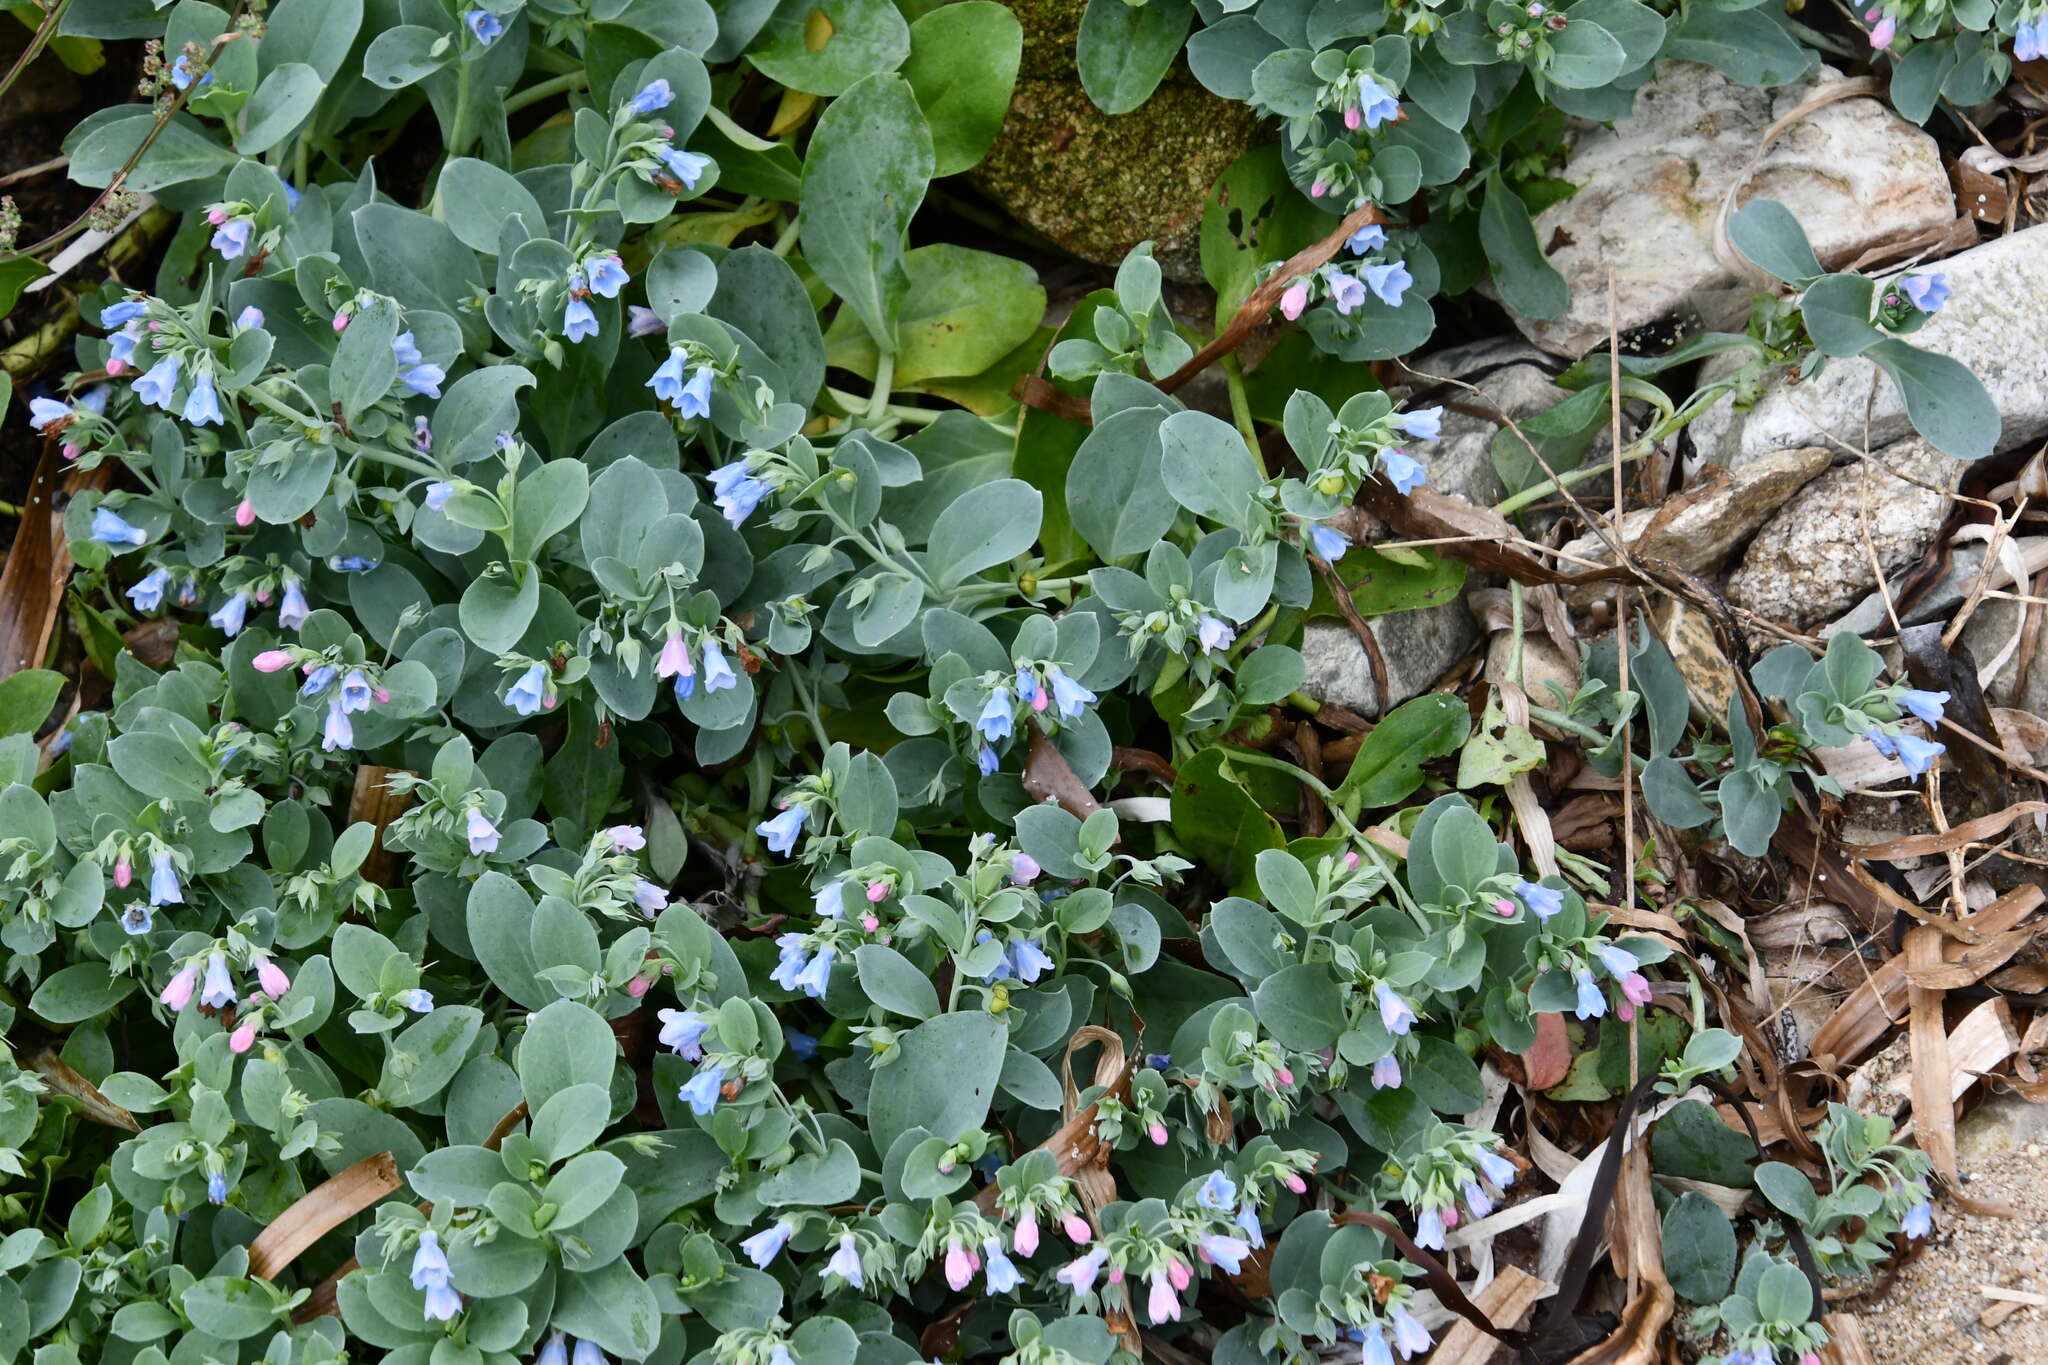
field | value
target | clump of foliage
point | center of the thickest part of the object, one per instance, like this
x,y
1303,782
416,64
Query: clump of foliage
x,y
754,973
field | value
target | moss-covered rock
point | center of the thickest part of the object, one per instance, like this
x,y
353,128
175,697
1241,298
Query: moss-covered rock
x,y
1099,185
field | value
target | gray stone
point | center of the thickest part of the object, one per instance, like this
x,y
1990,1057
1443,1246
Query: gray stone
x,y
1993,324
1420,646
2000,1124
1991,627
1706,529
1514,377
1652,184
1871,617
1810,562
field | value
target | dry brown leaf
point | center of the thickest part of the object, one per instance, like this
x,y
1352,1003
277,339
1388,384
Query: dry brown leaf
x,y
373,801
60,1076
320,1210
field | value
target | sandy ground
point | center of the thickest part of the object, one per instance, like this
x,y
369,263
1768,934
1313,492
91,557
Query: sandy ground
x,y
1937,1312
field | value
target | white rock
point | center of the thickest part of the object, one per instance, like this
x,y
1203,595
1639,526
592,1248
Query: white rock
x,y
1514,377
1420,647
1651,187
1811,561
1993,324
1718,515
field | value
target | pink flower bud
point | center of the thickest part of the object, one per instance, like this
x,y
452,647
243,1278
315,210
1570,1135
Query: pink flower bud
x,y
383,695
1318,190
245,513
1077,1229
271,660
1284,1075
1294,1182
1881,36
124,872
1450,1215
1353,117
1351,861
1624,1010
878,891
1157,1132
243,1038
1294,300
117,368
71,450
1025,1239
178,994
1178,1273
216,216
959,1266
870,923
638,987
341,320
271,977
1116,1275
1504,907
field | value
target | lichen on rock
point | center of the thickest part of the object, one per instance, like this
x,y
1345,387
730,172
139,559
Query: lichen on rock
x,y
1096,184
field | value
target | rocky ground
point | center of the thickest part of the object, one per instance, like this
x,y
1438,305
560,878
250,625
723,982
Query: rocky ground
x,y
1937,1311
1813,508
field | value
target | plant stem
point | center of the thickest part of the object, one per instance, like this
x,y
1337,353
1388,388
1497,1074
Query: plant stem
x,y
787,241
547,89
885,375
1241,410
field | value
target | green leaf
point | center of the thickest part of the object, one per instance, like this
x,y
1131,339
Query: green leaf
x,y
318,33
962,67
229,1309
870,161
1693,1143
580,1188
982,528
1944,398
278,107
822,47
1672,796
1783,1294
1301,1006
1444,1077
1837,313
1528,284
364,366
611,1306
1218,820
475,198
1788,1189
1116,496
1584,56
1747,45
428,1053
832,1177
894,983
566,1044
181,152
1124,50
1765,231
964,310
1207,468
74,994
402,56
1699,1248
26,698
942,1081
1388,764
